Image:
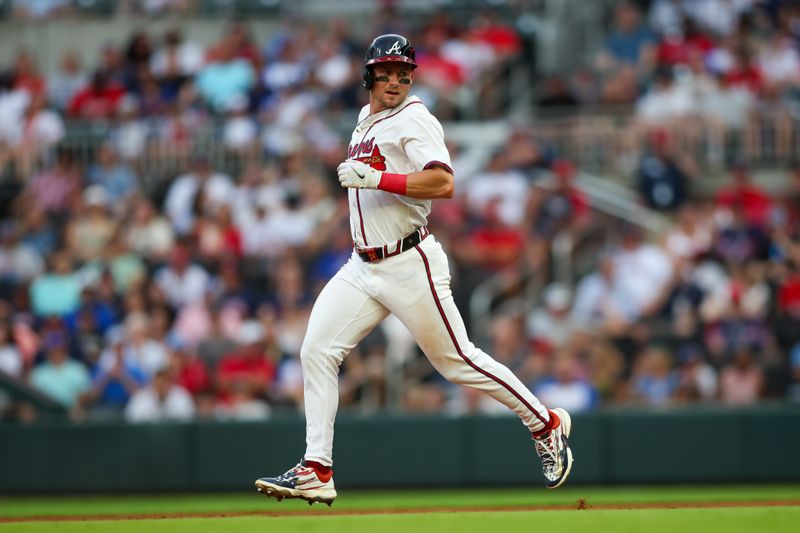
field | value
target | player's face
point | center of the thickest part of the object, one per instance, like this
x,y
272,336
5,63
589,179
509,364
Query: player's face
x,y
392,81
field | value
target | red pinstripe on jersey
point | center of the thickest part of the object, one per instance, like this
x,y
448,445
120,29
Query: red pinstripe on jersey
x,y
461,353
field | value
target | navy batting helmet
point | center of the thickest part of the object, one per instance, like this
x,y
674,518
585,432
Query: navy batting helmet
x,y
385,49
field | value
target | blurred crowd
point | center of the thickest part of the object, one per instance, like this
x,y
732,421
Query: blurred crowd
x,y
685,61
188,298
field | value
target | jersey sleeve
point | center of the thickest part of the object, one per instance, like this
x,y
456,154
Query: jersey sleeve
x,y
424,143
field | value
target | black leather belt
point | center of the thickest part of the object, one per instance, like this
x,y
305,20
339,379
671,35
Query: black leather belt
x,y
370,255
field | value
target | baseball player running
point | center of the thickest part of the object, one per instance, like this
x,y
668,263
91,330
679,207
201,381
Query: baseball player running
x,y
396,164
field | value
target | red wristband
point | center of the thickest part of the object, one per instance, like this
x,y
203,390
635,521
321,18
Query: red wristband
x,y
395,183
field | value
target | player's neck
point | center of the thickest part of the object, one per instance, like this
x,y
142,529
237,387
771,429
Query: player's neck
x,y
376,106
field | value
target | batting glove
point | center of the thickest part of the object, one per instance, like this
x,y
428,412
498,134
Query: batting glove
x,y
355,174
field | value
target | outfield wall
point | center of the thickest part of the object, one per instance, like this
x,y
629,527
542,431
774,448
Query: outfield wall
x,y
698,445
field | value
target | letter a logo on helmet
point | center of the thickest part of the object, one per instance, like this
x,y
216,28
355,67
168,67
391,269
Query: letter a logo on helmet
x,y
390,48
395,49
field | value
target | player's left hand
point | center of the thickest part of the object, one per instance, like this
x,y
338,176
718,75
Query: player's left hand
x,y
355,174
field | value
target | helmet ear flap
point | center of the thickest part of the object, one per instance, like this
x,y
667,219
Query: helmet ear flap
x,y
367,75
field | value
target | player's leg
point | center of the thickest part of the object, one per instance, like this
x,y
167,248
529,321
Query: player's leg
x,y
428,310
342,315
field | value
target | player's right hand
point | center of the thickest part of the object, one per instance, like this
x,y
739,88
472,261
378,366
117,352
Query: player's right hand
x,y
358,175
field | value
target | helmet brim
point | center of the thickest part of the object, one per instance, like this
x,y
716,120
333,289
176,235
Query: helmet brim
x,y
391,59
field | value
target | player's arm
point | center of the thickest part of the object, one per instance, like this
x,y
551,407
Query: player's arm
x,y
430,183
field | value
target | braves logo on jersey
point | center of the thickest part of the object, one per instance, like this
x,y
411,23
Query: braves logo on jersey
x,y
368,153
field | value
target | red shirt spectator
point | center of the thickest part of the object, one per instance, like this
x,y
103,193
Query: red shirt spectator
x,y
97,101
503,39
248,369
755,203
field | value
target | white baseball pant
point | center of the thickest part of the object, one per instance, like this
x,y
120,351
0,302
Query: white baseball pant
x,y
415,286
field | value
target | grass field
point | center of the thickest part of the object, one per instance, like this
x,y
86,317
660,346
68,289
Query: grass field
x,y
773,508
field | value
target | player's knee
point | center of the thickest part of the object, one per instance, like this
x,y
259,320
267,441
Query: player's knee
x,y
315,354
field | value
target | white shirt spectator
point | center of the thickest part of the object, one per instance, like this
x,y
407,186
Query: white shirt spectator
x,y
217,187
335,71
184,287
45,129
510,187
11,364
641,273
12,110
779,61
187,57
21,262
146,406
239,133
663,104
272,234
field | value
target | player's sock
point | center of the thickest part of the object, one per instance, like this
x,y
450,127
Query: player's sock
x,y
324,473
553,423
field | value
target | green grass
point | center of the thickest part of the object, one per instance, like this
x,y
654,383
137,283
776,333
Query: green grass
x,y
319,518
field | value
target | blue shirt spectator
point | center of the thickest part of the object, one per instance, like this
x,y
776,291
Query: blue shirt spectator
x,y
116,178
223,81
60,377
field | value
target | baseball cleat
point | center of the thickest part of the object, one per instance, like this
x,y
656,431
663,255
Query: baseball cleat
x,y
299,482
554,451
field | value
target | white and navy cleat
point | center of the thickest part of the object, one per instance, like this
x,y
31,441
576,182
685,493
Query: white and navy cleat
x,y
553,448
299,482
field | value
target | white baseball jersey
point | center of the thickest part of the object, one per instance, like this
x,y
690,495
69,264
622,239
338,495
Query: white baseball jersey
x,y
401,140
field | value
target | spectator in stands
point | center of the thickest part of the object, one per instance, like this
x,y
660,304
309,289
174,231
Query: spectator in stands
x,y
57,291
629,42
137,61
98,100
779,62
63,379
176,62
248,371
216,187
92,227
190,371
678,47
130,134
643,273
226,77
556,205
240,132
665,102
754,202
67,80
662,179
741,381
26,76
19,262
652,382
42,130
696,380
501,184
148,232
10,361
38,231
218,342
117,376
598,302
181,280
745,72
550,325
161,401
115,177
565,386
